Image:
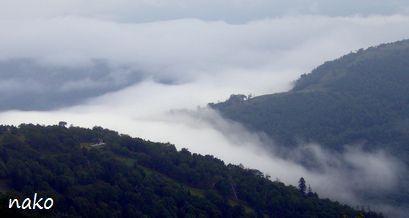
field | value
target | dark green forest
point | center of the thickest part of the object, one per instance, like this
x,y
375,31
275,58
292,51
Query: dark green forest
x,y
359,99
100,173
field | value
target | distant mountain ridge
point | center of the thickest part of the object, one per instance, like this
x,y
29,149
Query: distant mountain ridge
x,y
361,97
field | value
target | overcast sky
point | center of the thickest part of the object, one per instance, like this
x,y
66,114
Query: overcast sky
x,y
124,64
235,11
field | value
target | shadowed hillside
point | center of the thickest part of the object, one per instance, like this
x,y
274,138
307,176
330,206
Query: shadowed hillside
x,y
359,99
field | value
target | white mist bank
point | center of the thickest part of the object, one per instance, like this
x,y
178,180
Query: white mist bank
x,y
252,57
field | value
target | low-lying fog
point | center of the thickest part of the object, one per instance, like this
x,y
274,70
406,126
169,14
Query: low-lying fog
x,y
143,111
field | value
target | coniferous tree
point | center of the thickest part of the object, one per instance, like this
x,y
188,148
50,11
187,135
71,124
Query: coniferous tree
x,y
301,185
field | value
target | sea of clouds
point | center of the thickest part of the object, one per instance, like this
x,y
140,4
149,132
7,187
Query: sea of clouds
x,y
149,68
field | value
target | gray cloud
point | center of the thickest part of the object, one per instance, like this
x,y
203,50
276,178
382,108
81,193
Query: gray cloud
x,y
26,84
50,63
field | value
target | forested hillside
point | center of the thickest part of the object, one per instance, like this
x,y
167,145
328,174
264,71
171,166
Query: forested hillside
x,y
100,173
362,97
